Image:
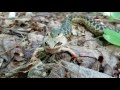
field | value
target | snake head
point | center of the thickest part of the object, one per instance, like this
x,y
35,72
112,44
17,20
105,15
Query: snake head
x,y
53,44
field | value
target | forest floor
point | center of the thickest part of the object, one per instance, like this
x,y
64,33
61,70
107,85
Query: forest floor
x,y
20,36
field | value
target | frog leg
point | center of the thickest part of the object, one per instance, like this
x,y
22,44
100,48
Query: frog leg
x,y
37,50
74,55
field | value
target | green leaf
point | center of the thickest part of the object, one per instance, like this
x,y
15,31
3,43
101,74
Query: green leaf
x,y
115,15
112,37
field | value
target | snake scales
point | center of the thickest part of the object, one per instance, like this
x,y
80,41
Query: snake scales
x,y
91,24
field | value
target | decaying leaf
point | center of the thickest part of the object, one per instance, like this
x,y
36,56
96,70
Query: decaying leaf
x,y
35,40
86,61
108,70
83,72
25,54
96,66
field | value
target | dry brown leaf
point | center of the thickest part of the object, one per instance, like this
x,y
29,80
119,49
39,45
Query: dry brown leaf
x,y
115,50
108,58
35,39
81,72
86,52
96,66
108,70
57,72
86,61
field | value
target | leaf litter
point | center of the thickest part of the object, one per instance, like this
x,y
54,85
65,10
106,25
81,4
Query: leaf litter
x,y
21,35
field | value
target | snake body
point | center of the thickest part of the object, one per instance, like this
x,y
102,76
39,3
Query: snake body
x,y
92,25
57,38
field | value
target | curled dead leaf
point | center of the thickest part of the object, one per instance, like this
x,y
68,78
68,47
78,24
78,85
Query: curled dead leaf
x,y
108,70
96,66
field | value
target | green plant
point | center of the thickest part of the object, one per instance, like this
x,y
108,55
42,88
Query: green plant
x,y
112,37
114,15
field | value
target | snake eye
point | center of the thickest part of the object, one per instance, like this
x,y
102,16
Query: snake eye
x,y
59,43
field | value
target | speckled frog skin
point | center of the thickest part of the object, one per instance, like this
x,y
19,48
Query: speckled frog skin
x,y
58,37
